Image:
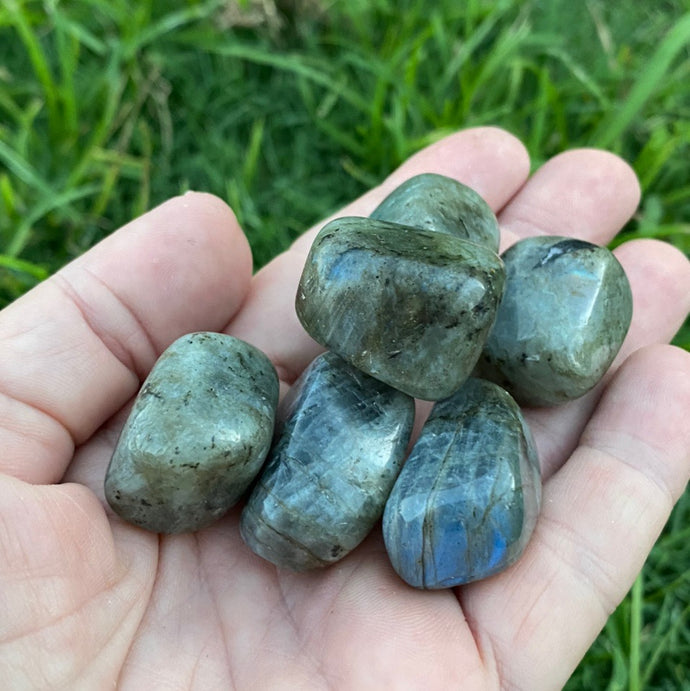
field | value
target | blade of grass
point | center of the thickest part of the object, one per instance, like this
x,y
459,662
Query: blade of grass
x,y
619,119
635,631
655,154
677,195
117,164
541,109
8,104
586,80
23,169
7,194
37,57
25,132
112,85
345,140
289,62
49,203
502,54
476,34
657,653
169,23
14,264
77,31
68,55
141,201
619,671
119,158
253,152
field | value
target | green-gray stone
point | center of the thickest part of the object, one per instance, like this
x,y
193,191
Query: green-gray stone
x,y
436,202
466,501
565,312
339,447
196,437
409,306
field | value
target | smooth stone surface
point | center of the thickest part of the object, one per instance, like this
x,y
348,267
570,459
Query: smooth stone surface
x,y
338,453
467,499
408,306
565,312
436,202
197,435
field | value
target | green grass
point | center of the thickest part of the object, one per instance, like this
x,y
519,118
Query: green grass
x,y
107,107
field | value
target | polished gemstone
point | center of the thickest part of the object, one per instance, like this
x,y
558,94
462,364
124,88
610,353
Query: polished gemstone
x,y
436,202
565,312
409,306
337,454
197,435
466,502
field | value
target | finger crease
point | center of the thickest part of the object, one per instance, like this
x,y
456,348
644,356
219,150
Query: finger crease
x,y
581,562
649,473
41,411
111,342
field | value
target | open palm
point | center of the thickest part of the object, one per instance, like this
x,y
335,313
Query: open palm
x,y
89,602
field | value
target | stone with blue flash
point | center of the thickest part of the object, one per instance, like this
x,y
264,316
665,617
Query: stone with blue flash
x,y
341,441
466,502
409,306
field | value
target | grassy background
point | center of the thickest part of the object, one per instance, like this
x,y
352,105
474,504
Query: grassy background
x,y
288,109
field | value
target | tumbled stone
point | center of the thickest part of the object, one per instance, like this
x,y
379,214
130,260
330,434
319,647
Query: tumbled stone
x,y
336,458
409,306
565,312
466,502
197,435
436,202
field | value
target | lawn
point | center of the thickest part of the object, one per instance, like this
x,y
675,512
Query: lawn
x,y
289,109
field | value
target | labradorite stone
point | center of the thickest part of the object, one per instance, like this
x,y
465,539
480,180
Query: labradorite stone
x,y
565,312
197,435
436,202
335,460
466,502
409,306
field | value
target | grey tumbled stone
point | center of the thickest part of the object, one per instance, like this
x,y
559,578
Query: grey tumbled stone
x,y
566,309
327,478
198,432
436,202
409,306
466,502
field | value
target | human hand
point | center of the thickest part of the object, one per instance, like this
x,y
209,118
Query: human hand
x,y
89,602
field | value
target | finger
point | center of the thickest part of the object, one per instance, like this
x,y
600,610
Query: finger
x,y
583,193
74,350
490,160
660,281
659,277
601,514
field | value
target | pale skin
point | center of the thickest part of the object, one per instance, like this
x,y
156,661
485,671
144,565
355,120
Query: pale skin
x,y
89,602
